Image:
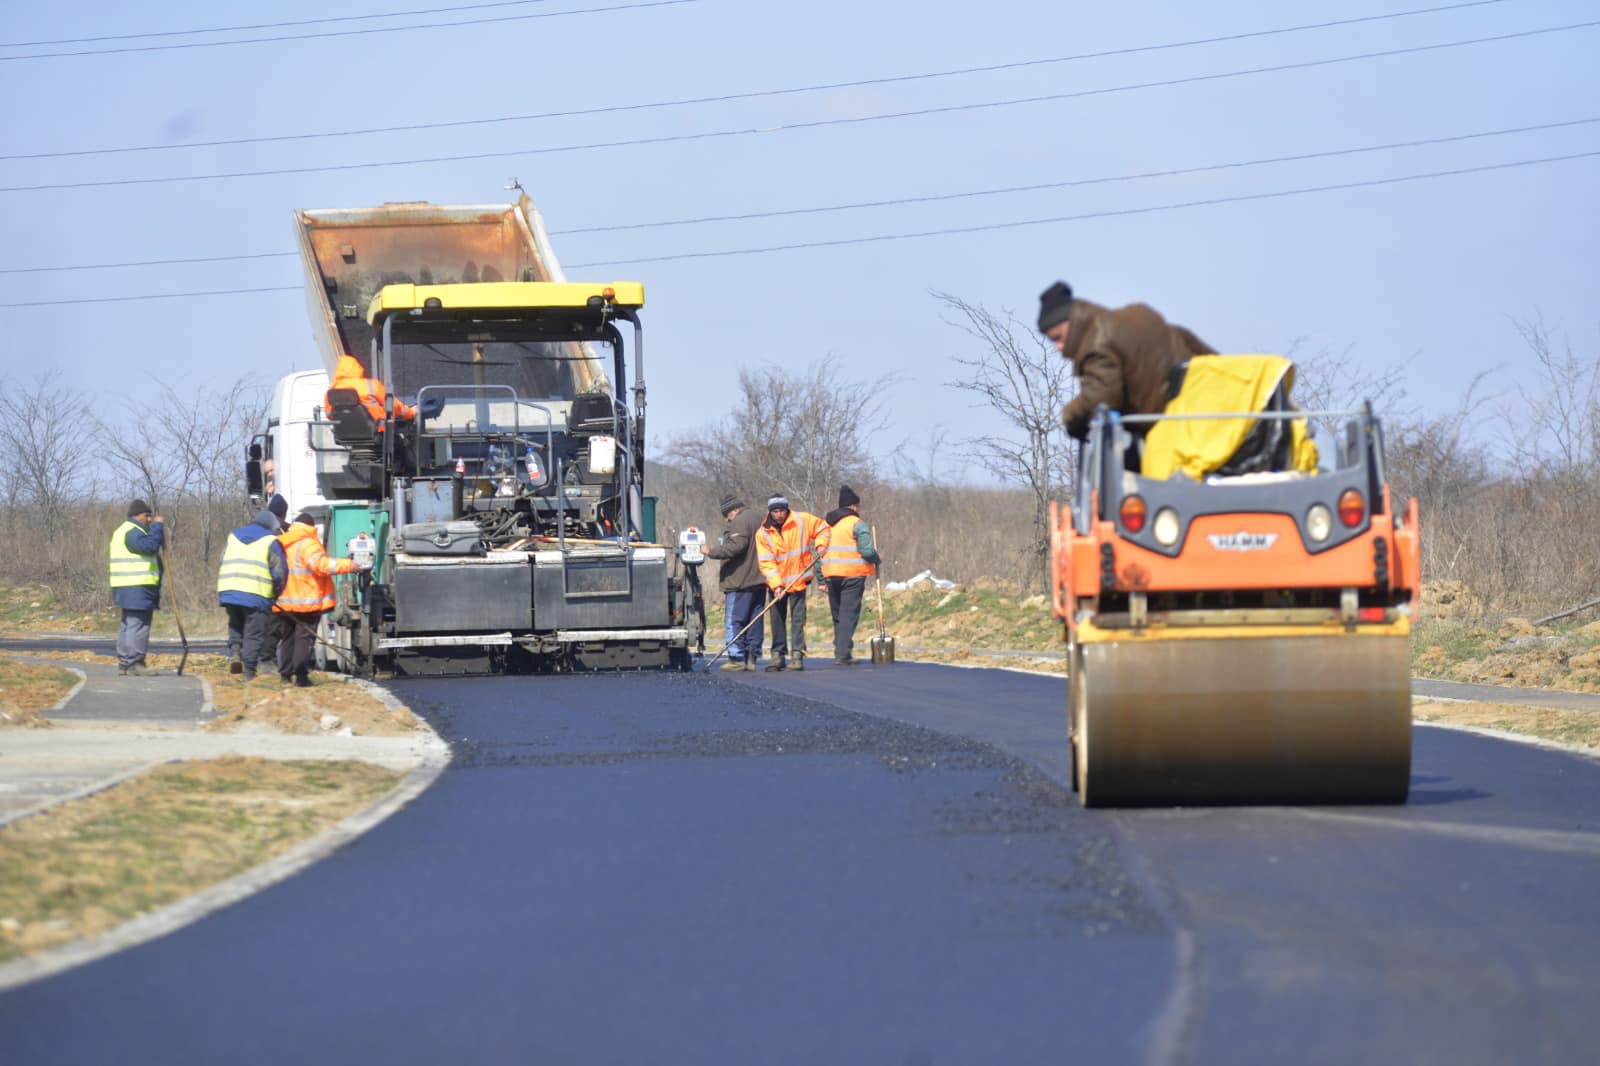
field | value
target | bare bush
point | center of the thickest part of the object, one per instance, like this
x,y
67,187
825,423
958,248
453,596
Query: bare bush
x,y
1018,374
799,434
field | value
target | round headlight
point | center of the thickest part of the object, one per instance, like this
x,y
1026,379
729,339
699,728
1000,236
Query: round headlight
x,y
1166,527
1319,522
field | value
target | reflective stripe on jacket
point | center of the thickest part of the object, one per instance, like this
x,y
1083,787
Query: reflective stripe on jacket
x,y
245,568
843,557
129,568
789,553
310,584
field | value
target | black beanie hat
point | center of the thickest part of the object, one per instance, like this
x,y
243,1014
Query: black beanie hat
x,y
1055,304
279,506
848,497
138,507
304,518
729,503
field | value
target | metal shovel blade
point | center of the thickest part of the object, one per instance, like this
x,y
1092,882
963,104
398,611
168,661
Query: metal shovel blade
x,y
882,649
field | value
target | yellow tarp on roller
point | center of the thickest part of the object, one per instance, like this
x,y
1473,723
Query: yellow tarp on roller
x,y
1216,384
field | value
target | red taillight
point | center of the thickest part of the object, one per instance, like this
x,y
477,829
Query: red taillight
x,y
1132,513
1352,508
1370,614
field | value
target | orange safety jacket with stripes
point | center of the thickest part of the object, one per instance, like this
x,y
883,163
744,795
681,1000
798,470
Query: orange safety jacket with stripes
x,y
789,553
843,557
309,589
350,374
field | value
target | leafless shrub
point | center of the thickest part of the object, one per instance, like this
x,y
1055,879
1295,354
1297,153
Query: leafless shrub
x,y
801,434
1017,374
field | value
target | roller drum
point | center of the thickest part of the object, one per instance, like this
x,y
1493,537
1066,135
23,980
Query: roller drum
x,y
1320,718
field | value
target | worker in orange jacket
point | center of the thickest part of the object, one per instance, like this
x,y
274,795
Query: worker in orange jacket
x,y
350,374
788,545
851,558
307,595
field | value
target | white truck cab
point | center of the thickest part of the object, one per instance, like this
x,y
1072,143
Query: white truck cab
x,y
282,458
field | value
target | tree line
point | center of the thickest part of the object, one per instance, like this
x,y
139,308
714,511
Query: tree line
x,y
1508,476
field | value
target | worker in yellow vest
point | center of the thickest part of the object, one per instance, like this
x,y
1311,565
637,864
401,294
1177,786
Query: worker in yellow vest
x,y
850,559
136,583
248,582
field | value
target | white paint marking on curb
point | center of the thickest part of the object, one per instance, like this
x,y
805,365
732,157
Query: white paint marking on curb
x,y
83,679
174,916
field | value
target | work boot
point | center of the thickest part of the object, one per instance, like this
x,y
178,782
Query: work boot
x,y
302,679
236,666
122,670
140,670
778,663
799,662
249,675
846,661
732,664
750,662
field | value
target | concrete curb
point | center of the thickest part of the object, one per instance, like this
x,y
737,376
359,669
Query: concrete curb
x,y
83,679
174,916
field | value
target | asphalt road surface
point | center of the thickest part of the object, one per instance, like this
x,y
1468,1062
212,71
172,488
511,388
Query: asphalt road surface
x,y
880,865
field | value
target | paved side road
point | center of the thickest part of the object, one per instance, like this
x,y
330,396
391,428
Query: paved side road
x,y
113,727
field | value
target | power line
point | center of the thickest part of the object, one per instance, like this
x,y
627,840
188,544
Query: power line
x,y
153,296
343,33
813,124
902,201
949,231
1077,182
756,94
1086,216
268,25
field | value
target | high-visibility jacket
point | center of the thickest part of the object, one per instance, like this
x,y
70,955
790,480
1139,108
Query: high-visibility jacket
x,y
350,374
843,557
129,568
246,567
309,588
790,552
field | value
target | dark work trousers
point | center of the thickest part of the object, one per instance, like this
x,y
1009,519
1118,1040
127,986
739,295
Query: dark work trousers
x,y
743,605
297,631
790,609
247,632
844,601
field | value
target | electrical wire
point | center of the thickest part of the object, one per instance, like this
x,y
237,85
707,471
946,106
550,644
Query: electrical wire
x,y
902,201
344,33
944,232
1088,215
269,25
756,94
813,124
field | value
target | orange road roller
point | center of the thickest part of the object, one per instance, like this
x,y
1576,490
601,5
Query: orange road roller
x,y
1237,602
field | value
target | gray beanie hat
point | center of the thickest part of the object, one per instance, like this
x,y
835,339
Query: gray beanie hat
x,y
778,501
268,521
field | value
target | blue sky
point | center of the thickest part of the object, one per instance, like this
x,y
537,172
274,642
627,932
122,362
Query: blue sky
x,y
1431,273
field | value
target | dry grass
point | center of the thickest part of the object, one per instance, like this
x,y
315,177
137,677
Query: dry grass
x,y
28,689
1573,728
81,868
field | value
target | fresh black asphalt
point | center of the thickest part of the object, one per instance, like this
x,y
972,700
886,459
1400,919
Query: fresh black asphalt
x,y
877,865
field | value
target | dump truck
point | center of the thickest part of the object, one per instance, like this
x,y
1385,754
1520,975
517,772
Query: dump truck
x,y
1237,631
505,519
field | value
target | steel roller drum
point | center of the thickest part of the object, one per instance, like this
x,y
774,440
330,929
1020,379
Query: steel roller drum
x,y
1243,719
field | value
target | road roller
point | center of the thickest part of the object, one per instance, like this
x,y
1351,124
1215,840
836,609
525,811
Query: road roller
x,y
1236,593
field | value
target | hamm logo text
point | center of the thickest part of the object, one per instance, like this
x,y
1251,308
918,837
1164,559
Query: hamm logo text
x,y
1242,541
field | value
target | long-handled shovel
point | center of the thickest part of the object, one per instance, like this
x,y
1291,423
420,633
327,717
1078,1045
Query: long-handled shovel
x,y
882,645
172,587
770,605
